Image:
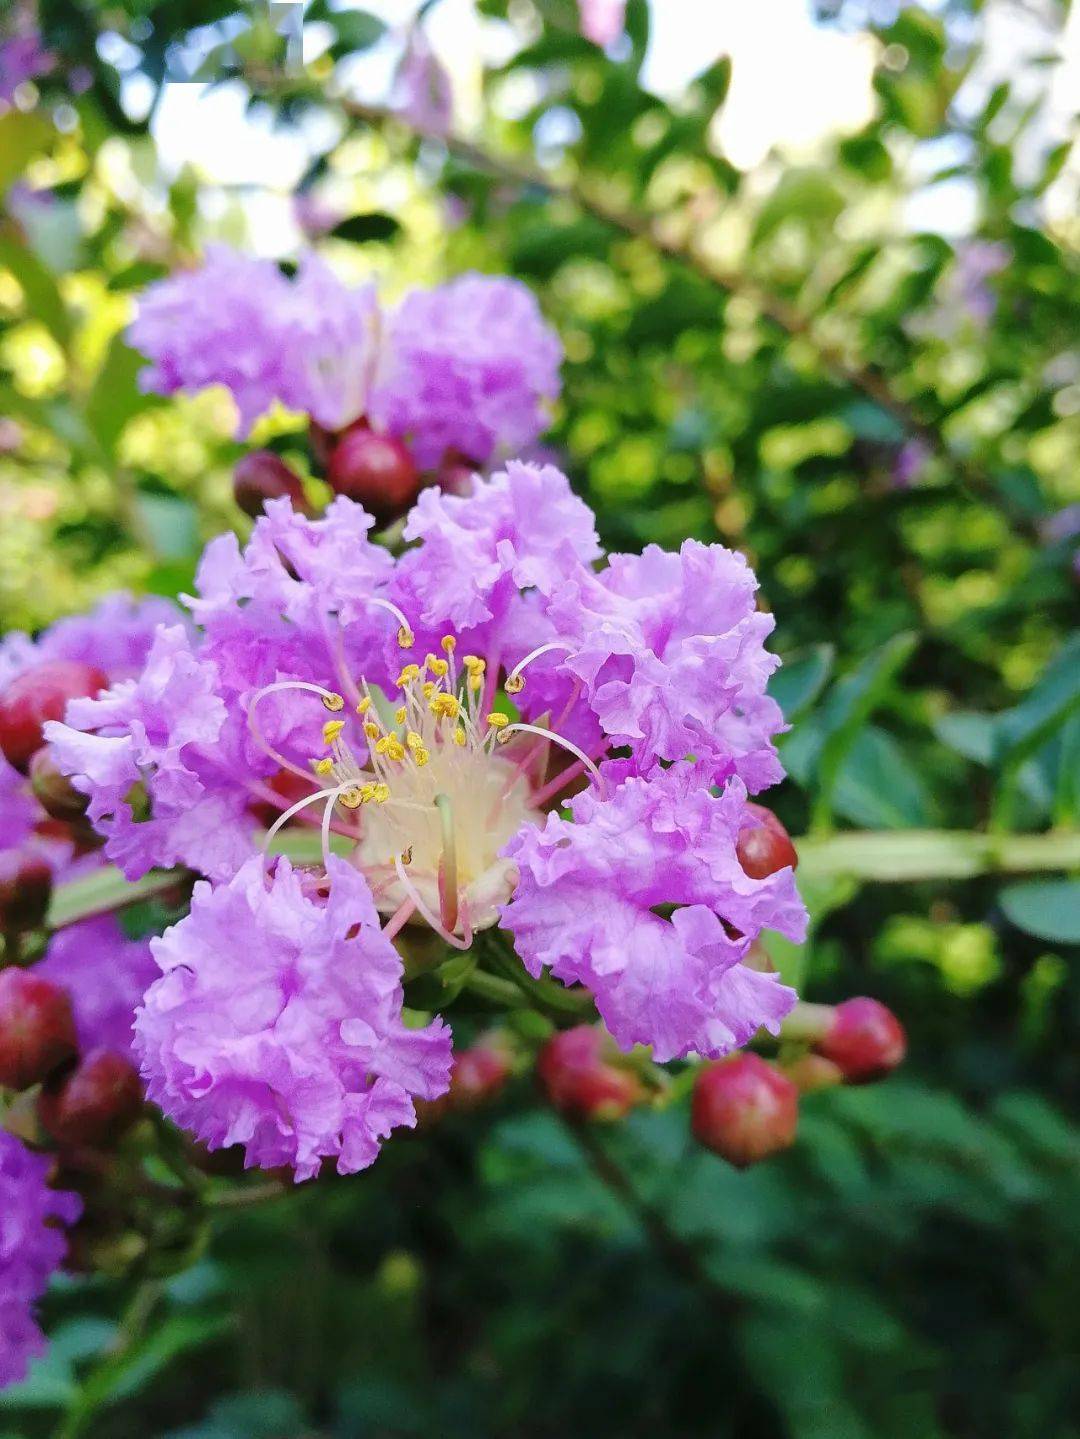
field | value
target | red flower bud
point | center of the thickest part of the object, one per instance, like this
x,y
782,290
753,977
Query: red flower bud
x,y
55,793
37,1031
94,1103
25,890
865,1040
375,470
39,695
479,1075
743,1109
764,845
578,1079
262,475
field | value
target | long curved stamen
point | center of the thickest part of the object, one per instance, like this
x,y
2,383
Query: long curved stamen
x,y
283,819
436,924
266,795
448,868
328,697
563,743
406,638
514,680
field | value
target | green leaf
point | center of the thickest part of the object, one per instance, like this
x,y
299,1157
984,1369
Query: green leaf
x,y
22,136
878,786
171,524
799,681
1046,908
356,30
1021,730
43,301
968,733
850,705
115,396
807,197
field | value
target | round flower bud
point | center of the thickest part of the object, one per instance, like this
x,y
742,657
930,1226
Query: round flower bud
x,y
25,890
764,845
53,790
262,475
376,471
743,1109
865,1040
94,1103
37,1029
39,695
479,1074
579,1081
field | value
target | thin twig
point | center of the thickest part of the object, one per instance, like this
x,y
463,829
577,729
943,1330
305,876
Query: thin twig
x,y
868,378
677,1254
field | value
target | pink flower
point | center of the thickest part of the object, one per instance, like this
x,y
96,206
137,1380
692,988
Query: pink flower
x,y
602,21
276,1023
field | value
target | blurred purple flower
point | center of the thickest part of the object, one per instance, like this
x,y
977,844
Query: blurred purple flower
x,y
911,460
602,21
976,263
22,57
423,93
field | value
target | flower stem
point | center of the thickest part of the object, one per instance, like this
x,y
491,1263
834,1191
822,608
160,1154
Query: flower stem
x,y
104,891
95,1392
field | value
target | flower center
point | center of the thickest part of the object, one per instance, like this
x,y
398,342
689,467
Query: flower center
x,y
446,782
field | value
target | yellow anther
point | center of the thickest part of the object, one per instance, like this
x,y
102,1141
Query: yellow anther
x,y
334,703
497,721
382,793
407,675
428,688
406,855
476,681
351,798
449,644
474,664
331,729
324,766
438,667
420,757
459,737
364,705
400,714
514,684
372,730
405,637
413,740
444,705
391,747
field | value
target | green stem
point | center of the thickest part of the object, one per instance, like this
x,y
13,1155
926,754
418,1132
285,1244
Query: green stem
x,y
911,855
95,1391
103,891
902,856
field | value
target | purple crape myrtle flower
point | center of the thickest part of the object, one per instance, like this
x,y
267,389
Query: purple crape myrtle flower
x,y
466,367
105,974
585,906
115,638
22,58
602,21
277,1023
423,93
32,1245
430,713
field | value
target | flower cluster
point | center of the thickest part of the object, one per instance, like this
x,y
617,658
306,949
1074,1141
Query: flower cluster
x,y
31,1247
463,368
499,727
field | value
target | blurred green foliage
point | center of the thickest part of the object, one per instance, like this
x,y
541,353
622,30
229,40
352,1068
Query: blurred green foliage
x,y
886,418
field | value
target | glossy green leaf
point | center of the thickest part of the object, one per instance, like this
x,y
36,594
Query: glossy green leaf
x,y
1046,908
